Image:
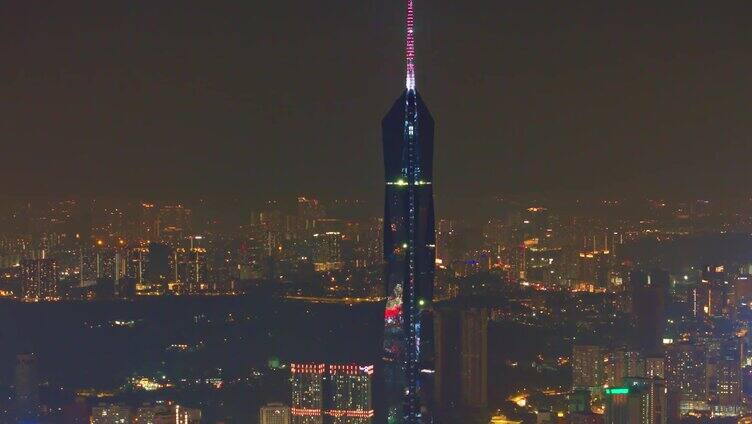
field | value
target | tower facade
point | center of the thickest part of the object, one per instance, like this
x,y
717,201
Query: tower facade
x,y
307,393
350,394
409,250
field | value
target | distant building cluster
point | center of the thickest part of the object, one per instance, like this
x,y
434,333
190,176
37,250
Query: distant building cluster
x,y
28,406
166,413
73,249
577,312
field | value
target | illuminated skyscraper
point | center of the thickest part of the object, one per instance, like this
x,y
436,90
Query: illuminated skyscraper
x,y
307,393
341,396
350,394
409,250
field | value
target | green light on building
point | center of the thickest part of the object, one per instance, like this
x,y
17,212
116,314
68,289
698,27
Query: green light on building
x,y
617,391
273,363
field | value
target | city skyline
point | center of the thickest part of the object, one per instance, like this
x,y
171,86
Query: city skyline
x,y
196,228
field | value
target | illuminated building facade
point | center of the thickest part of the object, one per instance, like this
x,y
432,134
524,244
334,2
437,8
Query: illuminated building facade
x,y
638,401
110,414
588,366
334,394
711,297
655,367
173,223
409,250
274,413
502,419
327,251
189,270
350,394
686,376
167,413
309,210
728,379
307,393
593,268
622,363
39,279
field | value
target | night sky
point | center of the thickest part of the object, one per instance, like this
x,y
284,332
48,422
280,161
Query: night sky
x,y
277,98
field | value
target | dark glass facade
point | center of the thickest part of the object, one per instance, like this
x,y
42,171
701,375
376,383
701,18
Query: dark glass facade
x,y
409,254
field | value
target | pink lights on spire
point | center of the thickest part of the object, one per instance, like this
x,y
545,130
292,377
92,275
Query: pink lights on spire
x,y
410,46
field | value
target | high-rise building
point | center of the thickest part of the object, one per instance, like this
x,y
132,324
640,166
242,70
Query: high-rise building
x,y
650,292
189,271
307,393
622,363
309,210
461,338
349,400
686,377
39,279
638,401
474,357
712,294
110,414
588,368
27,387
135,263
173,223
594,268
409,249
275,413
728,379
337,394
327,251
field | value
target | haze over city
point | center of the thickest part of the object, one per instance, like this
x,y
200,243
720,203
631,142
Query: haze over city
x,y
195,98
375,212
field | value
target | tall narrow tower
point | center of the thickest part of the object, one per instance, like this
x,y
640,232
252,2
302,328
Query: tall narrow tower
x,y
409,250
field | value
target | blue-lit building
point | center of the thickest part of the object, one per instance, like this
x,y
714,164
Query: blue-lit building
x,y
409,251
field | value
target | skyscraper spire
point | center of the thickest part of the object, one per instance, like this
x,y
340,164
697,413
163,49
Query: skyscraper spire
x,y
410,46
409,250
